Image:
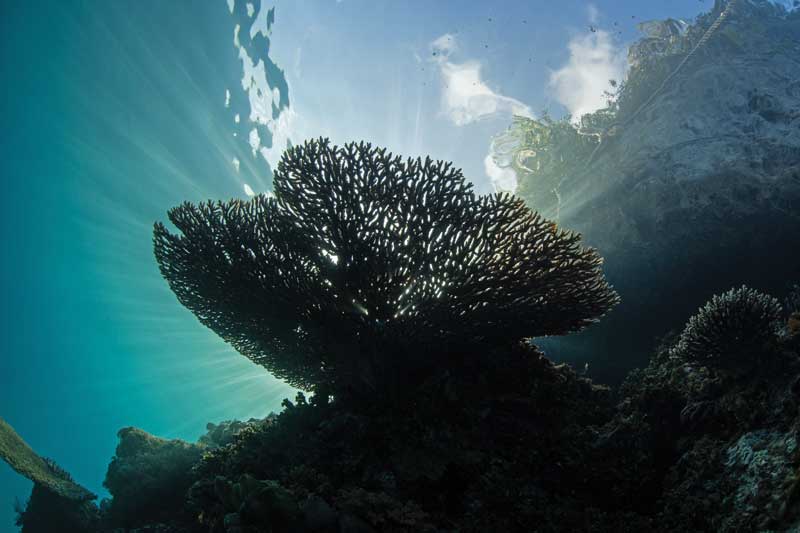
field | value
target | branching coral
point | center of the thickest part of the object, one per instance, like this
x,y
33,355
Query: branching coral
x,y
731,328
366,267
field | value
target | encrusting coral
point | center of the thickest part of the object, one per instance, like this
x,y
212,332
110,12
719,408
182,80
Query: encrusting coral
x,y
368,272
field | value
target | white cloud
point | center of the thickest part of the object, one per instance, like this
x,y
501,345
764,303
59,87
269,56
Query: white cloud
x,y
503,178
236,163
594,59
466,97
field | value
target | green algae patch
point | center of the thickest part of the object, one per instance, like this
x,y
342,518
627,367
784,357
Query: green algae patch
x,y
21,457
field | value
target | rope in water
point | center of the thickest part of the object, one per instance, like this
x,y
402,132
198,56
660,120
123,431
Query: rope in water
x,y
703,40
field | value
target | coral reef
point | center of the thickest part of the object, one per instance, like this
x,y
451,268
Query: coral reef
x,y
686,444
405,303
731,328
445,461
438,415
368,272
683,446
225,432
148,478
728,456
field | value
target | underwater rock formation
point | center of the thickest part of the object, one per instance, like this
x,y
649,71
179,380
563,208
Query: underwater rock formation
x,y
695,192
148,478
368,272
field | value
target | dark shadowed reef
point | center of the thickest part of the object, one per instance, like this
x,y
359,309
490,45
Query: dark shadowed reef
x,y
686,444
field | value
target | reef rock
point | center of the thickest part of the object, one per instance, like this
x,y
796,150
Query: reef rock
x,y
148,478
43,472
698,448
56,503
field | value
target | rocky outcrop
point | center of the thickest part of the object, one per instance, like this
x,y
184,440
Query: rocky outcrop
x,y
700,190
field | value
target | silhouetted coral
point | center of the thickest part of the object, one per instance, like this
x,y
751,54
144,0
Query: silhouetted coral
x,y
526,445
47,511
367,270
731,328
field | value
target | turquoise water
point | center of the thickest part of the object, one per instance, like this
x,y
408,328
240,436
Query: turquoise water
x,y
111,116
114,112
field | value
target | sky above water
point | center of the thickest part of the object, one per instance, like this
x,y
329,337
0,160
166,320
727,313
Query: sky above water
x,y
113,112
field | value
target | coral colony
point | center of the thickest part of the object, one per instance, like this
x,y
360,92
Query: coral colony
x,y
366,268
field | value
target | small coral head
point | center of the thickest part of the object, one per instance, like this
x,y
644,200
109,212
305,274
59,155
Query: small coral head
x,y
733,329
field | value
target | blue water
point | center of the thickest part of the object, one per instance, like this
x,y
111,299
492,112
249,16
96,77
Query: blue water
x,y
115,111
